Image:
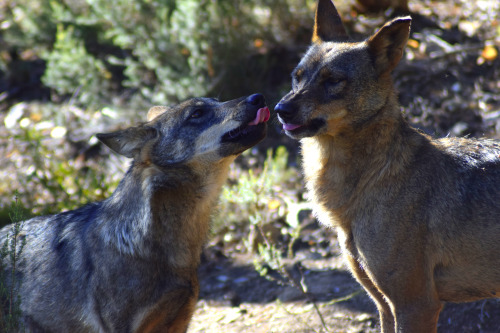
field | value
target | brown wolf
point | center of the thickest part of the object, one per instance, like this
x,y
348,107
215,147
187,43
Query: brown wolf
x,y
418,218
129,263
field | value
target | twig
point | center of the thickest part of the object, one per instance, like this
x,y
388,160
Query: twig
x,y
345,298
299,318
455,50
301,286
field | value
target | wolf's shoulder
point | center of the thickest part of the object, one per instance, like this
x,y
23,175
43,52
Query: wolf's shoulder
x,y
43,225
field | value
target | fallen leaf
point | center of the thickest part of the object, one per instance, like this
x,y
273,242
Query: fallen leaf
x,y
413,43
489,53
273,204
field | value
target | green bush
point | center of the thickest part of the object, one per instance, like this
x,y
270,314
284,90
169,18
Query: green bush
x,y
129,54
48,157
163,51
10,254
262,197
71,70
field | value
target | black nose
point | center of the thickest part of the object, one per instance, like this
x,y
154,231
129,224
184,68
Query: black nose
x,y
283,109
256,99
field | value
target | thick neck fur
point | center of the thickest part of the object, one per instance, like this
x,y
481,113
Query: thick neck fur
x,y
163,214
340,168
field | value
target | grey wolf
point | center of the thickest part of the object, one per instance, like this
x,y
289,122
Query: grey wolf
x,y
418,218
129,263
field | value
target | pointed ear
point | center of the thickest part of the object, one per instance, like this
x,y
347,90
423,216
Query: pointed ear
x,y
387,45
328,26
129,141
155,111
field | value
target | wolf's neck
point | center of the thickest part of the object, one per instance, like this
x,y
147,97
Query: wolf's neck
x,y
340,169
163,216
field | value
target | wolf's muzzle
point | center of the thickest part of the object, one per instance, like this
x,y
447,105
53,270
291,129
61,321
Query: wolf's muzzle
x,y
256,99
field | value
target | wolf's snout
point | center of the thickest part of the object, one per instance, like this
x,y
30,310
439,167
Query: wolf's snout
x,y
256,99
283,109
251,115
262,116
285,115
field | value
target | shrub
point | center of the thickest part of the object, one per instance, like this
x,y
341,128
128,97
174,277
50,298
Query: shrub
x,y
71,70
10,253
49,157
262,197
164,50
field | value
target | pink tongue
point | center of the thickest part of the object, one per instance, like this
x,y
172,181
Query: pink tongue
x,y
290,127
262,116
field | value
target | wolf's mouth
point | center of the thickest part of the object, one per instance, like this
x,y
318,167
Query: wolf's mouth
x,y
261,117
290,127
299,130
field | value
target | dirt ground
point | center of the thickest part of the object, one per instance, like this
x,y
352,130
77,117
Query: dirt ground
x,y
234,298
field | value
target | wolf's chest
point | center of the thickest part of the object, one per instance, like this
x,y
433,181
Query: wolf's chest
x,y
325,182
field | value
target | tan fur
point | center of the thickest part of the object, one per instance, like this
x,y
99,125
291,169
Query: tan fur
x,y
417,218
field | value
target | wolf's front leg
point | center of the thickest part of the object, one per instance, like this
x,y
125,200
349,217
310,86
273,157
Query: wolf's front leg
x,y
387,322
173,314
418,317
414,300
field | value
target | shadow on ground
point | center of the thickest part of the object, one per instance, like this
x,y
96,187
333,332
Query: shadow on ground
x,y
235,298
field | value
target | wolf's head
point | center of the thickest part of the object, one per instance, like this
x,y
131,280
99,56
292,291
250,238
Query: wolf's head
x,y
199,130
340,83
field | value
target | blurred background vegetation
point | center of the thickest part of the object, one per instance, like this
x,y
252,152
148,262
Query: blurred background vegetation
x,y
72,68
69,69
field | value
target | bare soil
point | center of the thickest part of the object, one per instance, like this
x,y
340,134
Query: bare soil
x,y
234,298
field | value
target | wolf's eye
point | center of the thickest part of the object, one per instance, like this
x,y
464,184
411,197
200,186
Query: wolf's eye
x,y
334,85
332,81
196,114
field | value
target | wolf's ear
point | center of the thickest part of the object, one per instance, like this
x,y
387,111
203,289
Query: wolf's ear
x,y
328,26
155,111
129,141
386,45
